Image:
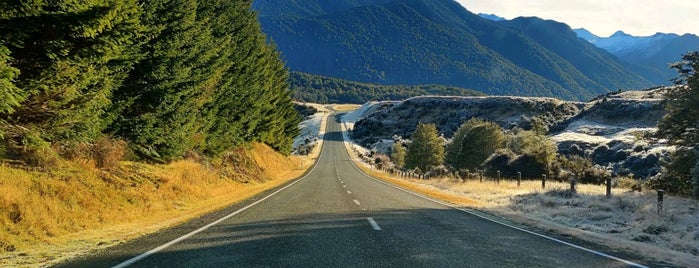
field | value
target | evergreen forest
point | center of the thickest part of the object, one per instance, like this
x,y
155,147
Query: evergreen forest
x,y
167,78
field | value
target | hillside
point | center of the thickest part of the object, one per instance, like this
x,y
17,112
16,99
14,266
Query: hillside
x,y
649,56
321,89
78,208
427,42
610,130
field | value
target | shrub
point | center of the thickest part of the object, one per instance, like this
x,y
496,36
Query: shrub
x,y
695,176
38,152
109,152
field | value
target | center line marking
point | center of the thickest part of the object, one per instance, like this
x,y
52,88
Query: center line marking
x,y
344,186
373,224
356,202
349,192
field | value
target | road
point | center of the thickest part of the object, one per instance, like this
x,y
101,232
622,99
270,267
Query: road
x,y
337,216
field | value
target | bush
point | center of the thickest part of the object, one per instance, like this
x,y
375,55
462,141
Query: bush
x,y
38,152
109,152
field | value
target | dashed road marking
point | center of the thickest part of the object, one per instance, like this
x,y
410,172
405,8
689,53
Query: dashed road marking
x,y
356,202
373,224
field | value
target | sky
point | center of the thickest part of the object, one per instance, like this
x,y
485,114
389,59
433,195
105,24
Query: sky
x,y
601,17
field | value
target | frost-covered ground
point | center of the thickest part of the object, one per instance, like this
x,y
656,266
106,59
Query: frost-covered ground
x,y
311,131
608,131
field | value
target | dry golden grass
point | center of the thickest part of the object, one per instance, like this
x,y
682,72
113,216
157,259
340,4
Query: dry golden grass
x,y
346,107
50,216
617,222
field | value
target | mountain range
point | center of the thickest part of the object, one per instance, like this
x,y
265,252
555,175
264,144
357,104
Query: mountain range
x,y
415,42
650,56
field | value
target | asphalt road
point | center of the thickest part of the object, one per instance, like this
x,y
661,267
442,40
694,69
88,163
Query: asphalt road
x,y
339,217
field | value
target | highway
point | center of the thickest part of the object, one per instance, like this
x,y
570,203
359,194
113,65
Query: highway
x,y
337,216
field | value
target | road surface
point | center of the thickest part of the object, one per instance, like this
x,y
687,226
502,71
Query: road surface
x,y
337,216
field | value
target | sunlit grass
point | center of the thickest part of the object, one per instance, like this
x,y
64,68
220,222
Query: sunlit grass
x,y
51,215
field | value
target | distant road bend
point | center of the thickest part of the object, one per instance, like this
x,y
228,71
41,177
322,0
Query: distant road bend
x,y
336,216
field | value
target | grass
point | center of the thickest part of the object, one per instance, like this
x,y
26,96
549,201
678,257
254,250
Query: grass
x,y
48,216
628,221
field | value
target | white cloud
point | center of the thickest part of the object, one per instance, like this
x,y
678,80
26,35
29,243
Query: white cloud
x,y
602,17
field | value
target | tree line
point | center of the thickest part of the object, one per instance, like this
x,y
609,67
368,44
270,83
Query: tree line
x,y
167,77
483,145
320,89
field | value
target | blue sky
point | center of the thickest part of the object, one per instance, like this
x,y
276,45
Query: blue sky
x,y
601,17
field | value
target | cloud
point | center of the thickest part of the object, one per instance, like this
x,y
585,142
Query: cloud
x,y
602,17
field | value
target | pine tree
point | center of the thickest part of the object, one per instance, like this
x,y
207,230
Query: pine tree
x,y
695,176
398,154
426,150
10,95
162,100
681,122
70,57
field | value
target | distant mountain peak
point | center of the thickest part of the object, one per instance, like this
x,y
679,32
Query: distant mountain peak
x,y
620,33
492,17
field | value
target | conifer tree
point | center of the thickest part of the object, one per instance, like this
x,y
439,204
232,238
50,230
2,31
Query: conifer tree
x,y
162,99
70,57
398,154
426,150
10,95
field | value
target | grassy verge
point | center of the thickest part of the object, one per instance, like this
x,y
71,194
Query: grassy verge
x,y
628,221
48,216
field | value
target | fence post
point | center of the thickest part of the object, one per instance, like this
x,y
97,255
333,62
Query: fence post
x,y
573,183
498,179
661,192
519,178
543,181
609,187
481,174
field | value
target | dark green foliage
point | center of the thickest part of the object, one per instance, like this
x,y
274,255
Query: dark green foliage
x,y
473,143
10,95
680,126
167,90
436,42
678,175
321,89
304,110
166,76
70,58
535,145
426,151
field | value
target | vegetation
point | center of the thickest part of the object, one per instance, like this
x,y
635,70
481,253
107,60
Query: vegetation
x,y
412,42
681,123
398,154
321,89
426,151
473,143
168,77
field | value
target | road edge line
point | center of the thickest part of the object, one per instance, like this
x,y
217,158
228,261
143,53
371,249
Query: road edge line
x,y
205,227
595,252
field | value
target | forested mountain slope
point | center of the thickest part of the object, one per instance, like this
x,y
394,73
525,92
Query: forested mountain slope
x,y
430,42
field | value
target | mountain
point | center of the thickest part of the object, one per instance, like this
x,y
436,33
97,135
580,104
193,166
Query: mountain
x,y
649,56
492,17
427,42
584,57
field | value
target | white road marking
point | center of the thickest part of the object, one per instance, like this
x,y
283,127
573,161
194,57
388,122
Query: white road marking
x,y
373,224
349,192
356,202
344,186
181,238
595,252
